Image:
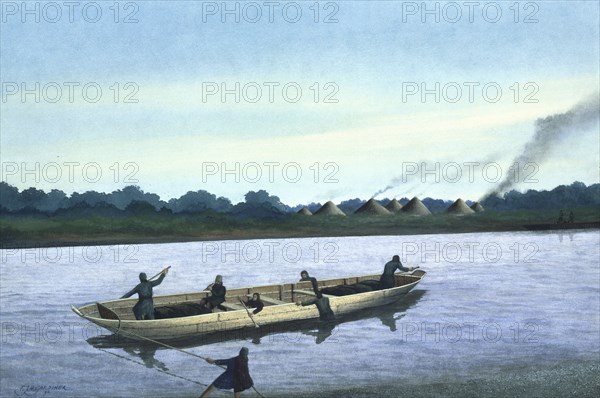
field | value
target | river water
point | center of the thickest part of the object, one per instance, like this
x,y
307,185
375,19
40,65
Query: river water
x,y
490,302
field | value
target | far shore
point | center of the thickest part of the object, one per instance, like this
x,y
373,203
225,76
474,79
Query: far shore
x,y
128,240
32,232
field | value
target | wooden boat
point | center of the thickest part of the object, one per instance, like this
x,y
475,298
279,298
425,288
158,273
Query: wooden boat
x,y
387,315
280,307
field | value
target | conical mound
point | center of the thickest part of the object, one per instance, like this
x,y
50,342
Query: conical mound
x,y
394,206
329,209
415,208
373,208
459,207
304,212
477,207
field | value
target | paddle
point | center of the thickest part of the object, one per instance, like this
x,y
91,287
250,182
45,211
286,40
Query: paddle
x,y
248,312
166,269
408,272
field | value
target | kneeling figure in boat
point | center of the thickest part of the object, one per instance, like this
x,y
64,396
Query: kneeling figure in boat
x,y
255,303
217,293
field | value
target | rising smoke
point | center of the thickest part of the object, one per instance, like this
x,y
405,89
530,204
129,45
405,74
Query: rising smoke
x,y
548,132
395,182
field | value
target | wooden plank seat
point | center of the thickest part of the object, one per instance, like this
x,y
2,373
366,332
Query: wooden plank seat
x,y
269,300
231,306
305,292
309,293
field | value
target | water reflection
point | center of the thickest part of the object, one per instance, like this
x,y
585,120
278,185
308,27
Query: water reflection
x,y
562,234
389,321
146,354
324,331
321,331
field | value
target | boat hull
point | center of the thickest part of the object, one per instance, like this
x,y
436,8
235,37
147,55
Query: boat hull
x,y
194,326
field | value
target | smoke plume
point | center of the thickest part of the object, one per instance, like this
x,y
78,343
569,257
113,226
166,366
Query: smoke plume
x,y
548,132
395,182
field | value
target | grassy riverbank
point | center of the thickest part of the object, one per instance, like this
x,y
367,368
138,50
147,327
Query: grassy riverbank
x,y
573,379
38,230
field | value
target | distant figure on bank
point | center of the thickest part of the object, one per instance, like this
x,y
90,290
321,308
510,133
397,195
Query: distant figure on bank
x,y
236,376
561,217
217,293
304,277
387,279
144,308
571,217
256,303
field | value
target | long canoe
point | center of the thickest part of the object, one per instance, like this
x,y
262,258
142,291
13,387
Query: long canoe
x,y
280,307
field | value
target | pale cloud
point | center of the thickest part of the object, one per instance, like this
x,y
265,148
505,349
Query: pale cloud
x,y
368,155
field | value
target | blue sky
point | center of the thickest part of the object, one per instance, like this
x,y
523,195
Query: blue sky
x,y
369,55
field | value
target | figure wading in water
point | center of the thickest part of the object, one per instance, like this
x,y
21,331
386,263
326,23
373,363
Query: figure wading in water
x,y
236,376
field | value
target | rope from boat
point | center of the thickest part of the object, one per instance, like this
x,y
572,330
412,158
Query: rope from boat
x,y
180,350
158,370
167,345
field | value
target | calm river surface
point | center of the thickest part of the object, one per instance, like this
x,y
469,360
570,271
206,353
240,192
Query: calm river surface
x,y
490,302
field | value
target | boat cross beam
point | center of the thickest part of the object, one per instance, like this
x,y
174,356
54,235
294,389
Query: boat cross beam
x,y
305,292
231,306
309,293
270,300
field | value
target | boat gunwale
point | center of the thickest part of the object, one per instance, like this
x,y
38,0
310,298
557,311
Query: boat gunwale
x,y
149,322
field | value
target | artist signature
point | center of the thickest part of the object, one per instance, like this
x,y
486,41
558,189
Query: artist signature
x,y
28,390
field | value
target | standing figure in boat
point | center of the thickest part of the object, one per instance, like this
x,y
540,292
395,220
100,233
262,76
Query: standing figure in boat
x,y
217,293
236,376
144,308
255,303
387,279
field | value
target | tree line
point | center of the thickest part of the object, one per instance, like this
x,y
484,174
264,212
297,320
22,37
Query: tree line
x,y
259,204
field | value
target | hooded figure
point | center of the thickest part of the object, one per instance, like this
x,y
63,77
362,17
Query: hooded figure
x,y
387,279
241,374
236,376
217,293
144,308
256,303
322,303
304,277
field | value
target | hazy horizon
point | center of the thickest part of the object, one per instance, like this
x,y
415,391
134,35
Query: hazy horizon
x,y
356,128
